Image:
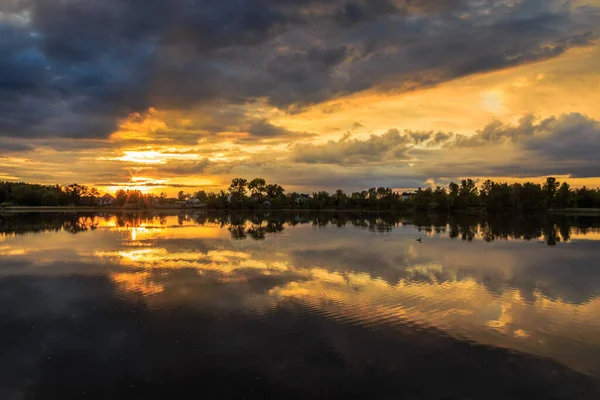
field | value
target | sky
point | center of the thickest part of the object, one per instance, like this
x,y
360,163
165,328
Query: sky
x,y
165,95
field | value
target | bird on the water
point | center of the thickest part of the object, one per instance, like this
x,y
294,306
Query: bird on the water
x,y
419,240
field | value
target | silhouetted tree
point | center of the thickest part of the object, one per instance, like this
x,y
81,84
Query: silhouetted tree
x,y
182,196
563,196
120,197
467,194
584,198
549,188
453,189
274,190
258,187
237,190
3,195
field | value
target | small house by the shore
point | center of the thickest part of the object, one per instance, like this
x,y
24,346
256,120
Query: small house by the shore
x,y
407,195
193,202
302,199
106,200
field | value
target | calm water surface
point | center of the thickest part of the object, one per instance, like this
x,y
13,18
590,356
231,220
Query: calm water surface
x,y
298,306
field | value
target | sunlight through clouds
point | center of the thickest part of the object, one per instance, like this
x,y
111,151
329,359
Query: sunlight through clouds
x,y
200,119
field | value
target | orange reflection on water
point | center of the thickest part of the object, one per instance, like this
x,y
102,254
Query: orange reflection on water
x,y
11,251
225,262
587,234
137,282
164,227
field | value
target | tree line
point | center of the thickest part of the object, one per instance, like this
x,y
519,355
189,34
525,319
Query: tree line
x,y
257,193
493,196
490,196
35,195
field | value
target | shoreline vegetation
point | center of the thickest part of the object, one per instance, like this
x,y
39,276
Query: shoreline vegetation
x,y
67,209
466,197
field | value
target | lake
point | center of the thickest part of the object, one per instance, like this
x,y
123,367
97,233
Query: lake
x,y
299,305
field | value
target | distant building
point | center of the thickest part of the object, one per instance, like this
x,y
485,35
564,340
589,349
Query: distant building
x,y
106,200
194,202
407,195
302,199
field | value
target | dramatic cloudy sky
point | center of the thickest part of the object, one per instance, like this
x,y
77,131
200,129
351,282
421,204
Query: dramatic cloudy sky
x,y
165,94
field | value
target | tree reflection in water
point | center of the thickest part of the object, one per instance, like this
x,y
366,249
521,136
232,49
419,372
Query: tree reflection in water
x,y
552,229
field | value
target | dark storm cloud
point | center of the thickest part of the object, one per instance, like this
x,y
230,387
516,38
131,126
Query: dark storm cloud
x,y
347,151
261,130
497,132
392,146
264,129
560,145
557,141
570,136
440,138
13,147
421,137
72,68
189,168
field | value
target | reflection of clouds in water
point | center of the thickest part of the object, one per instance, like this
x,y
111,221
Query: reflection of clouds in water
x,y
479,291
190,336
566,272
464,309
514,294
167,244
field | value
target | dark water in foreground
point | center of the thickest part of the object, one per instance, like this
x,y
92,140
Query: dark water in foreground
x,y
298,306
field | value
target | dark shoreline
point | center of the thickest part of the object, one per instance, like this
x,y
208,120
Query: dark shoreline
x,y
584,212
194,209
12,210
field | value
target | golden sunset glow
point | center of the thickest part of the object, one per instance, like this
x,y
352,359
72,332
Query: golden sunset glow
x,y
205,143
462,106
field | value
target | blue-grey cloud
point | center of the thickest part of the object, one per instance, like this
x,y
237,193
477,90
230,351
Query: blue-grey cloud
x,y
13,147
71,68
347,151
568,144
187,168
